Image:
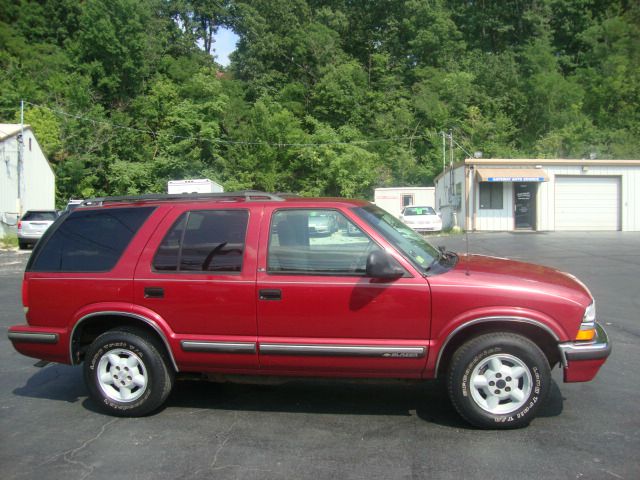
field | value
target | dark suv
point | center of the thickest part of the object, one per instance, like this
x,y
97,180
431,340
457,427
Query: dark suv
x,y
237,284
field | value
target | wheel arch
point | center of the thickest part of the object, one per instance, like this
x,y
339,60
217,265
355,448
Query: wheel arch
x,y
90,326
539,333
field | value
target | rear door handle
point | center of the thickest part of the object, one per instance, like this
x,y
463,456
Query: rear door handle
x,y
153,292
271,294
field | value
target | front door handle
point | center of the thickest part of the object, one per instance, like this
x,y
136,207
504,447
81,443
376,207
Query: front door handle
x,y
271,294
153,292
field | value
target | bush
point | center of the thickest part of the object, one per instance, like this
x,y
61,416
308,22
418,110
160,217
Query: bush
x,y
9,241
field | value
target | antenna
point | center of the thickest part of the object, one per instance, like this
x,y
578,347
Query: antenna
x,y
466,258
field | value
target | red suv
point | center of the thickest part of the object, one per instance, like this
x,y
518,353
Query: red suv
x,y
226,285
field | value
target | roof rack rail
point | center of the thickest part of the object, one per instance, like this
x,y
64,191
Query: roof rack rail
x,y
246,195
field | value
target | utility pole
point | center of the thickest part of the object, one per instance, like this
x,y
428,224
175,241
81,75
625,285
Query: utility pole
x,y
444,150
452,190
20,159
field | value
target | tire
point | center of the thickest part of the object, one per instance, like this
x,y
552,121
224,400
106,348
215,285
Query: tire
x,y
23,245
498,380
127,373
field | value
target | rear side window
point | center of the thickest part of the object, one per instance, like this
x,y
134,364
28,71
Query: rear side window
x,y
204,241
89,240
40,217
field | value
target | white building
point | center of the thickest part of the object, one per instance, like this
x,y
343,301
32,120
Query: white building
x,y
540,194
394,199
28,184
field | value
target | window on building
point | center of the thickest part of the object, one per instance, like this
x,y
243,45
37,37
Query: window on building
x,y
204,241
407,199
491,195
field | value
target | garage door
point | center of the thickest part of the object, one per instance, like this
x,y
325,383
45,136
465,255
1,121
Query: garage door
x,y
587,203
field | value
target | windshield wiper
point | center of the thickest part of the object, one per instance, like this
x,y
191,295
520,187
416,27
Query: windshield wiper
x,y
444,256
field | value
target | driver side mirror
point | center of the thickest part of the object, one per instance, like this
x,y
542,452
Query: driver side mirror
x,y
381,265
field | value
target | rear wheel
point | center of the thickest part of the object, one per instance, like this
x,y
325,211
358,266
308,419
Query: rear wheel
x,y
127,373
23,245
498,380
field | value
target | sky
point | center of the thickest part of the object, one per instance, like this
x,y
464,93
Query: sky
x,y
225,44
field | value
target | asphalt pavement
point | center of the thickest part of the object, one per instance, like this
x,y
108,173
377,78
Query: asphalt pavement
x,y
340,430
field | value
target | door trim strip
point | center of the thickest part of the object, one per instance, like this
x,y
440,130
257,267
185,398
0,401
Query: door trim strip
x,y
342,350
218,347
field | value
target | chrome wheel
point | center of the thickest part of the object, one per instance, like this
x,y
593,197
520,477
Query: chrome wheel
x,y
500,384
122,375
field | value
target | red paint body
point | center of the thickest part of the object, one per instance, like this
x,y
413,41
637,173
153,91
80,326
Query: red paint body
x,y
412,311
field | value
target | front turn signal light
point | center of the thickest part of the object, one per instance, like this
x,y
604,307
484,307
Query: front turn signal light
x,y
586,335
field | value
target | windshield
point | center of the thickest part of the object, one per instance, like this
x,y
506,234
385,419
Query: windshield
x,y
414,247
409,211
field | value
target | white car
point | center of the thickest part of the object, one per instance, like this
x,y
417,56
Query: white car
x,y
421,218
32,226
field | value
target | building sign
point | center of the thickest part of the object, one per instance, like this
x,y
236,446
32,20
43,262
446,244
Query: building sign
x,y
516,179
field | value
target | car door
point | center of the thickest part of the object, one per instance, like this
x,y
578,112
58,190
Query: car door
x,y
198,273
318,312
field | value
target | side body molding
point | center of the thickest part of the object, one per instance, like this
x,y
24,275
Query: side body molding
x,y
481,320
123,314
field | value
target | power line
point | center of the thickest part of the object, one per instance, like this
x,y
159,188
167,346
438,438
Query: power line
x,y
156,134
463,149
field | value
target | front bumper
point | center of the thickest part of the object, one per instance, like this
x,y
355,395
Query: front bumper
x,y
582,360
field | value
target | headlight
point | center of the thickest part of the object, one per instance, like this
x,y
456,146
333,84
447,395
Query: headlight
x,y
590,313
587,330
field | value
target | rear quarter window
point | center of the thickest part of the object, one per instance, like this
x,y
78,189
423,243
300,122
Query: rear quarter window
x,y
88,240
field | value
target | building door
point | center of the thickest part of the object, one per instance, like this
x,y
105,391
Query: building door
x,y
525,205
587,203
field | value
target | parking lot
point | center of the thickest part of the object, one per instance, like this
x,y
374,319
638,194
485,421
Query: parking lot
x,y
343,430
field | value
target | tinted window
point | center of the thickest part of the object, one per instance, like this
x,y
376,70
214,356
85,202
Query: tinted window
x,y
89,240
204,241
40,217
317,242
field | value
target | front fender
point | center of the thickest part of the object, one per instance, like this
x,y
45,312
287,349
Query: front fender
x,y
471,318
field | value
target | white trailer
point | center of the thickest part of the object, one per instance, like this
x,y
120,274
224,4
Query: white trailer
x,y
198,185
393,200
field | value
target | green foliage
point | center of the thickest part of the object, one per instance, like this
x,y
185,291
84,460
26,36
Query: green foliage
x,y
9,242
322,97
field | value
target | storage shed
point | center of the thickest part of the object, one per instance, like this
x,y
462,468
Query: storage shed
x,y
540,194
26,183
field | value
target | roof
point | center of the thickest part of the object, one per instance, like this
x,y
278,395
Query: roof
x,y
252,196
534,162
547,161
8,130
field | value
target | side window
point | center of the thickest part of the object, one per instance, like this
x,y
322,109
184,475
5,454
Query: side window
x,y
204,241
317,242
89,240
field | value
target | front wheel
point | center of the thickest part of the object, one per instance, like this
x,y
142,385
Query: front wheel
x,y
127,374
498,380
